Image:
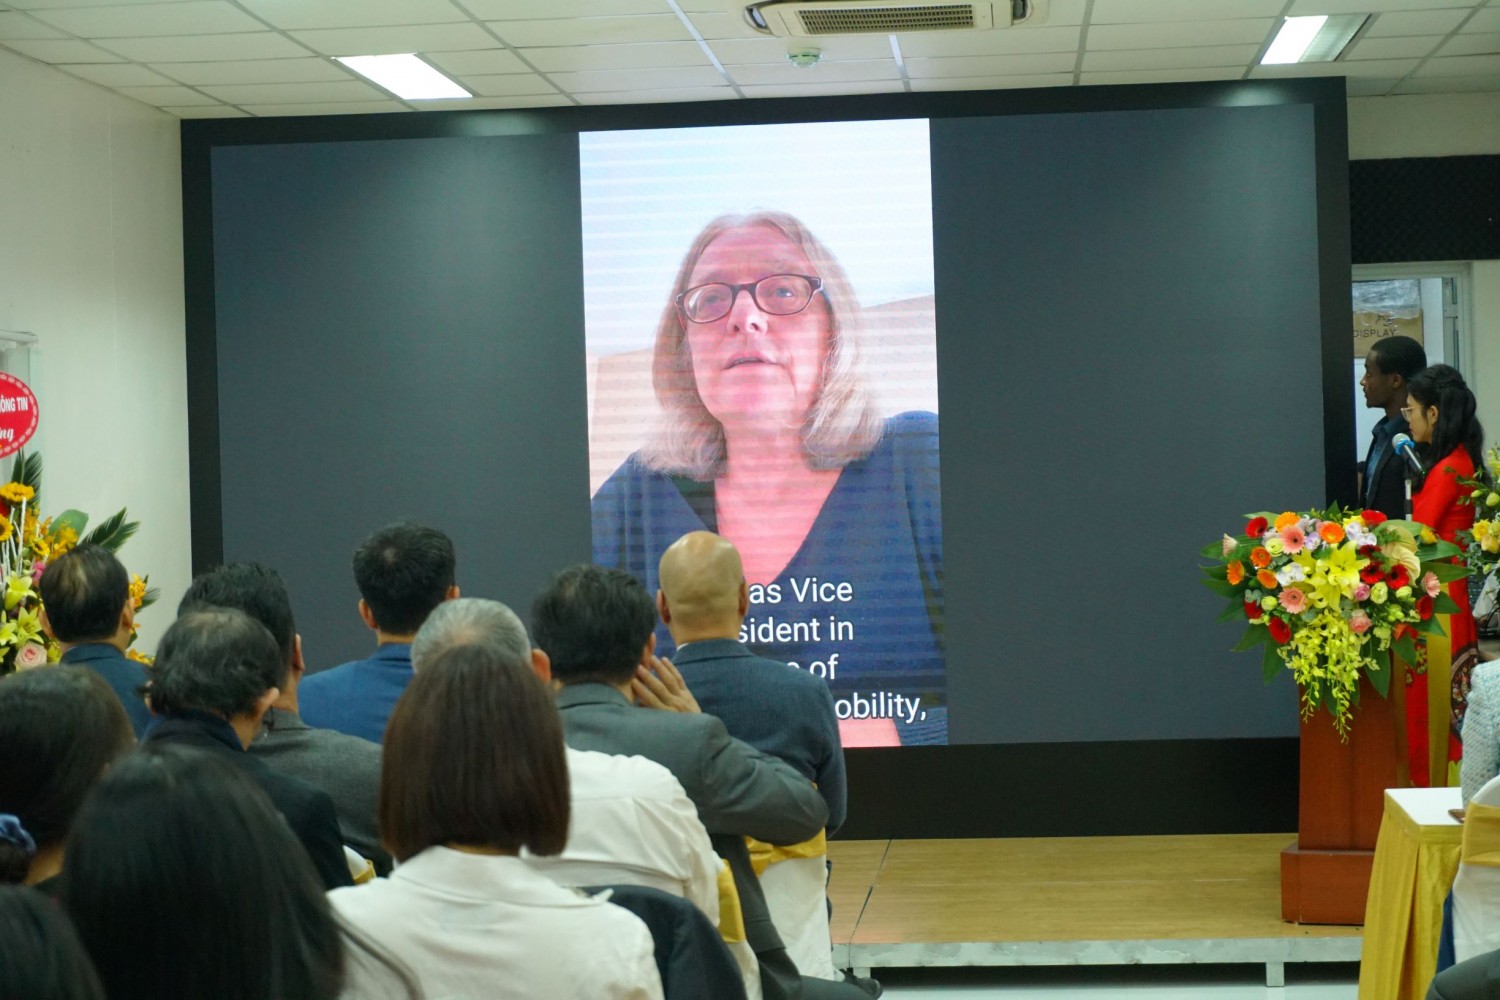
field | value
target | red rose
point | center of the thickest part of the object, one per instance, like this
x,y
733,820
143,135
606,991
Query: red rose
x,y
1366,550
1257,527
1280,630
1400,577
1424,607
1371,574
1252,610
1371,517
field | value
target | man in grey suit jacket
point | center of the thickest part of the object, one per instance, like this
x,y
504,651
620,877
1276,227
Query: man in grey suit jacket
x,y
597,626
346,767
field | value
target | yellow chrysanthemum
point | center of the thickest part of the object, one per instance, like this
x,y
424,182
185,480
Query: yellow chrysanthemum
x,y
137,592
62,540
140,657
6,528
16,492
1428,538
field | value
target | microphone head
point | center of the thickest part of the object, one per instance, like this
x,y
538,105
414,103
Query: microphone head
x,y
1401,441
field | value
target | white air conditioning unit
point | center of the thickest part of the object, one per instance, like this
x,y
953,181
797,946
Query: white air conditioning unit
x,y
812,18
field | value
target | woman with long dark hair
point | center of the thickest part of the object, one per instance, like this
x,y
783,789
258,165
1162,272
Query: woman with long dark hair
x,y
1441,411
40,957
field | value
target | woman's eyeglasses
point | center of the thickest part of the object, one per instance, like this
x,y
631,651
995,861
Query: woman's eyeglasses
x,y
776,294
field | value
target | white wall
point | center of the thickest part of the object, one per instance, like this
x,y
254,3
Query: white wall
x,y
91,262
1385,128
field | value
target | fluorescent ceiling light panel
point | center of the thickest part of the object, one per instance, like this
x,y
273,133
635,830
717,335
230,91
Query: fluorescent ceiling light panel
x,y
1319,38
406,76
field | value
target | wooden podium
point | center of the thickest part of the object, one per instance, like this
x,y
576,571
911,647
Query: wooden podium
x,y
1325,875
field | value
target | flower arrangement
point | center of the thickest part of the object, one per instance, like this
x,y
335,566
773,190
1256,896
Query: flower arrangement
x,y
27,542
1330,594
1482,542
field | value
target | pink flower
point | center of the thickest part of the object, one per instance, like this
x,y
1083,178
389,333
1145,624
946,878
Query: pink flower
x,y
37,569
32,654
1361,592
1229,546
1359,622
1293,600
1432,584
1292,539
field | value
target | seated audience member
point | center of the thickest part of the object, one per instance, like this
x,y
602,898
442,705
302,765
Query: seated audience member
x,y
774,707
1481,730
86,607
473,772
1477,978
597,627
59,731
632,824
40,956
184,882
215,675
403,572
344,766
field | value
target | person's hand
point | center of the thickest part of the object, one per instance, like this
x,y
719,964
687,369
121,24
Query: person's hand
x,y
661,686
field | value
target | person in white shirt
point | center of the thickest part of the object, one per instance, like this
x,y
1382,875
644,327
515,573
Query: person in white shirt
x,y
474,772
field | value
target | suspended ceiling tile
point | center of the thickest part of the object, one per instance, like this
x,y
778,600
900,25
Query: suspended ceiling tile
x,y
301,15
410,38
61,51
1137,11
1163,76
593,30
1416,22
478,62
641,55
1486,65
206,111
1063,12
692,7
1377,87
15,25
355,108
1056,62
1485,21
536,10
118,75
552,100
982,43
508,85
600,81
1245,31
55,4
822,75
207,48
1471,45
162,97
659,96
295,93
201,17
309,70
712,26
1393,48
750,51
1132,59
1449,84
1370,69
1303,7
993,82
830,89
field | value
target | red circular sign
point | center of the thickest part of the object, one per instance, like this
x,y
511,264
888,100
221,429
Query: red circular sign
x,y
18,414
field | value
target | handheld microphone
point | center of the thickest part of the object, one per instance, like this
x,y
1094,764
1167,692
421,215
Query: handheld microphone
x,y
1407,449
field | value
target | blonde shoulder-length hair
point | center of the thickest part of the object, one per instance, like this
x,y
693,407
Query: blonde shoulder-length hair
x,y
842,425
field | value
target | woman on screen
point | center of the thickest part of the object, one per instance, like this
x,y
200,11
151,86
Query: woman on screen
x,y
770,438
1440,409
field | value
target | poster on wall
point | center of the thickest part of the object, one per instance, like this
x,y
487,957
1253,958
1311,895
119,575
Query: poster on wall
x,y
760,327
18,414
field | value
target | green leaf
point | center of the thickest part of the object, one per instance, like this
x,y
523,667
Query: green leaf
x,y
1213,550
114,532
1438,550
1379,673
1219,572
1221,587
1442,604
1271,662
1254,636
1233,610
1406,648
75,519
1446,572
27,470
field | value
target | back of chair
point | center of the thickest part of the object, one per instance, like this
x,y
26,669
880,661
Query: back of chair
x,y
691,957
1476,887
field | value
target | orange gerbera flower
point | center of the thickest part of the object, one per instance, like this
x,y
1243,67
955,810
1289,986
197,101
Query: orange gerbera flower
x,y
1259,557
1236,572
1331,532
1285,520
1267,579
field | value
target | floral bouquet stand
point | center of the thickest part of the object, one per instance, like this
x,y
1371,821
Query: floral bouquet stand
x,y
1337,598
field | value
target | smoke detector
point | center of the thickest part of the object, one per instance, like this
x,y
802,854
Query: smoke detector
x,y
810,18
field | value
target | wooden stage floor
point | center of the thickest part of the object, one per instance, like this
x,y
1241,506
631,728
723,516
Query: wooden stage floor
x,y
1070,901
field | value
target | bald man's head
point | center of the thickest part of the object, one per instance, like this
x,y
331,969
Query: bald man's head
x,y
703,593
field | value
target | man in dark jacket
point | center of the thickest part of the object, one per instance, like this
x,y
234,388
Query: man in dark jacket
x,y
1388,366
214,678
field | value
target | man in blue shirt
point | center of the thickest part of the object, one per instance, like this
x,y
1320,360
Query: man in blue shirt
x,y
403,572
87,608
1388,366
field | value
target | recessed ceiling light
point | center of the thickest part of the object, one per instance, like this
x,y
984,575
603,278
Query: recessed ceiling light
x,y
406,76
1319,38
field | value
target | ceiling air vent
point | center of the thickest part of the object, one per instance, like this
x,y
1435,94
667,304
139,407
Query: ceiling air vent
x,y
808,18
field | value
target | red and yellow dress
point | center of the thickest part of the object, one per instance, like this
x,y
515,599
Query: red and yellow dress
x,y
1452,659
